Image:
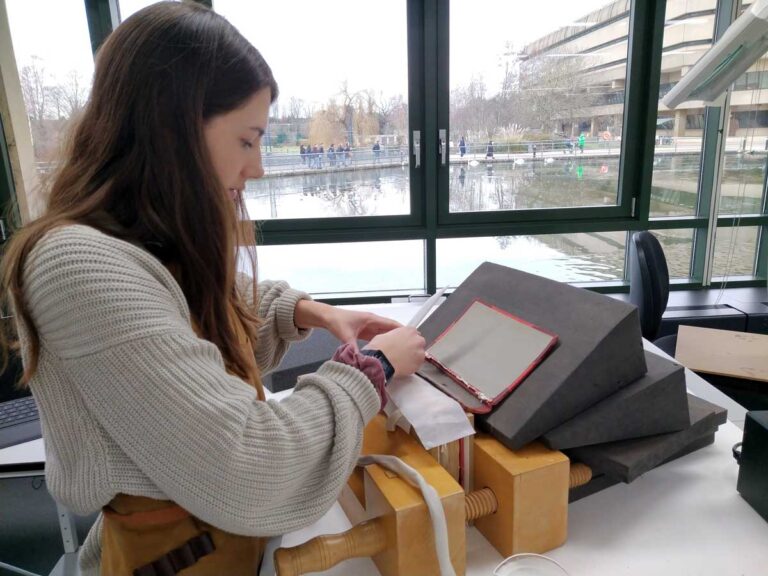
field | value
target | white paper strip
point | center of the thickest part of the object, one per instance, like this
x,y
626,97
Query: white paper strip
x,y
437,418
426,307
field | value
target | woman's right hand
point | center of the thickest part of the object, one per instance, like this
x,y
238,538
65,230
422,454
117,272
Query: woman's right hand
x,y
403,347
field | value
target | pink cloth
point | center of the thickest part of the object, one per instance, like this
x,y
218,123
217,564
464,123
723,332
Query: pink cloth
x,y
349,354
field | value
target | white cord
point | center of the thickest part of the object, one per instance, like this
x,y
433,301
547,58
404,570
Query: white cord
x,y
432,499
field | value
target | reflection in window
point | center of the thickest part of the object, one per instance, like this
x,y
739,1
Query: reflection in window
x,y
746,148
53,56
536,103
337,140
735,249
688,33
347,269
578,257
330,193
678,250
572,181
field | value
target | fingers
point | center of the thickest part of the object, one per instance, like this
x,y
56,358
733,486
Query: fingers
x,y
386,324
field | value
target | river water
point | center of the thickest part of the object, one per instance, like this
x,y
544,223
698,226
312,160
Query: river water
x,y
561,182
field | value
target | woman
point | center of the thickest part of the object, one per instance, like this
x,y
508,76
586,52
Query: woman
x,y
144,347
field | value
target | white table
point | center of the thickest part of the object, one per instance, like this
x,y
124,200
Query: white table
x,y
682,519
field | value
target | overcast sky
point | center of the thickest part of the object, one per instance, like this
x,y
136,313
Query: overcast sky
x,y
313,46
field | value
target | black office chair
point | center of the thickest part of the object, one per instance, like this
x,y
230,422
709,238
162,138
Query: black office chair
x,y
649,287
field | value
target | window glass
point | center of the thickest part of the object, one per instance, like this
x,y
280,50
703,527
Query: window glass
x,y
347,269
536,103
578,257
746,150
327,193
337,140
678,251
735,250
53,55
688,32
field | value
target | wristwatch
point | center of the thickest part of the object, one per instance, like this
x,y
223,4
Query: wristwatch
x,y
386,365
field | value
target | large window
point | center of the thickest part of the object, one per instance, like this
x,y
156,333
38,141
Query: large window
x,y
746,151
579,257
536,103
427,136
735,249
55,63
348,269
689,28
678,250
337,142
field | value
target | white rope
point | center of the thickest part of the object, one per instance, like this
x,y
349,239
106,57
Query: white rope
x,y
432,499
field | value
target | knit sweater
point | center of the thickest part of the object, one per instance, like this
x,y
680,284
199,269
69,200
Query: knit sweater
x,y
132,401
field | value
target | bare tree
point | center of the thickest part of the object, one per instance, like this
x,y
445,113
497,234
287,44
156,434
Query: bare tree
x,y
297,108
55,97
537,93
74,93
33,88
388,112
471,112
553,89
350,101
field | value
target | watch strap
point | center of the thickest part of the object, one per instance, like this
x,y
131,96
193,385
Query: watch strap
x,y
386,365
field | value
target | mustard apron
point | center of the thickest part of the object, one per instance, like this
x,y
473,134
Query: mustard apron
x,y
146,537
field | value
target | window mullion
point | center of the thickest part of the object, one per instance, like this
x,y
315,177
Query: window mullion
x,y
103,17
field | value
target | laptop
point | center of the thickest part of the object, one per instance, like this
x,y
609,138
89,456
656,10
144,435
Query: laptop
x,y
19,420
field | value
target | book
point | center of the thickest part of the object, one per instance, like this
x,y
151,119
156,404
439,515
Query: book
x,y
487,352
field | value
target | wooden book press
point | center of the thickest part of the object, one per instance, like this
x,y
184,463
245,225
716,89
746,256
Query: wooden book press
x,y
521,505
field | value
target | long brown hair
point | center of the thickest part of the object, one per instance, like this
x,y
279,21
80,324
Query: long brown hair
x,y
137,166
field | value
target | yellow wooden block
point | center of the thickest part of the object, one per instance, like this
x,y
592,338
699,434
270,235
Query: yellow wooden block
x,y
531,487
404,514
407,521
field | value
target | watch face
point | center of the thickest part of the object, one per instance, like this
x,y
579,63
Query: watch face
x,y
389,370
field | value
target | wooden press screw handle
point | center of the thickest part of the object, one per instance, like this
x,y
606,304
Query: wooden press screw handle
x,y
323,552
580,474
480,503
483,502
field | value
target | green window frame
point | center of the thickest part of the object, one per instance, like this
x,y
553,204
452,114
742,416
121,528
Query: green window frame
x,y
430,218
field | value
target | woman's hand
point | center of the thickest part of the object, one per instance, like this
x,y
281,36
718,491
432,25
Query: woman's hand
x,y
351,325
347,325
403,347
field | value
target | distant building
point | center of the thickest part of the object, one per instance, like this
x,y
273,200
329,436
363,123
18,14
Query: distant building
x,y
596,53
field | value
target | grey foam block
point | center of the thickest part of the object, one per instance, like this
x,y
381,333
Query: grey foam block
x,y
599,349
655,403
603,481
625,460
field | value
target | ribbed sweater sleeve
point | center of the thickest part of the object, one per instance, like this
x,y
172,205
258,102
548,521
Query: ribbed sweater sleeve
x,y
118,326
275,305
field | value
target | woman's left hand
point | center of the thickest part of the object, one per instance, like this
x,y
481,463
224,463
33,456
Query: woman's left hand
x,y
347,325
350,325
